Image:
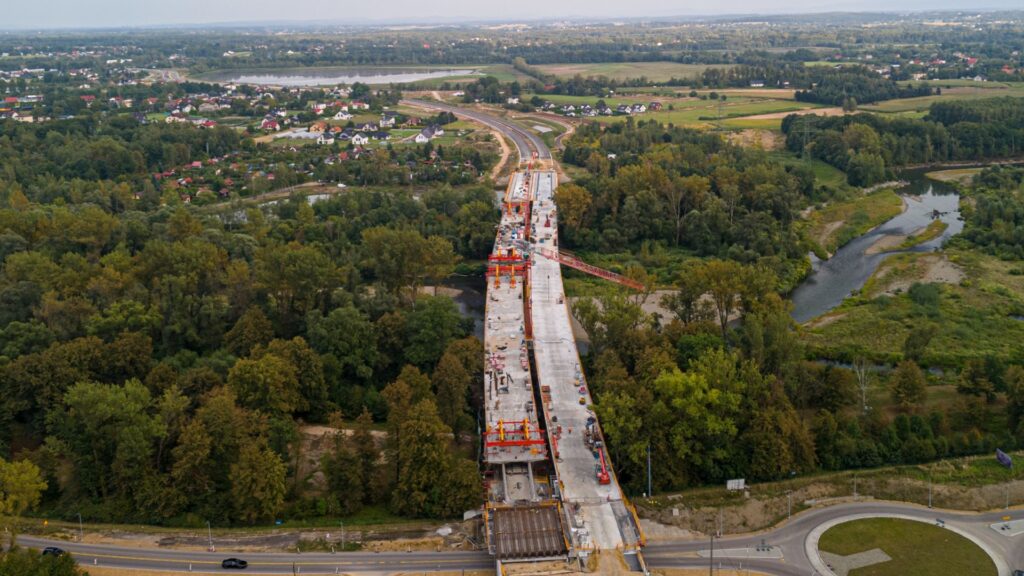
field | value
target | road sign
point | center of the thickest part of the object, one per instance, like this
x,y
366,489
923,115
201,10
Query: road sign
x,y
737,484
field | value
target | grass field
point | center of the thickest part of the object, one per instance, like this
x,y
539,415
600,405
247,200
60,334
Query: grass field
x,y
976,317
687,111
954,174
839,222
922,103
653,71
916,548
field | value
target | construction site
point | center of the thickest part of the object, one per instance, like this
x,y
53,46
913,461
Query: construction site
x,y
552,494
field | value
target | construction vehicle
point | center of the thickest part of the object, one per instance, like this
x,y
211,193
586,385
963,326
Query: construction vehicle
x,y
603,477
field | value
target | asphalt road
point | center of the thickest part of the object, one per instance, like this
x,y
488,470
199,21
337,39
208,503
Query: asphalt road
x,y
265,563
526,142
790,537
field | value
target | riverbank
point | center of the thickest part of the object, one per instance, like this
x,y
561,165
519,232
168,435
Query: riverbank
x,y
837,223
974,310
897,242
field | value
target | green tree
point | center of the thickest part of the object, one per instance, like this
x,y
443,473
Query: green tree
x,y
974,381
434,482
917,341
908,385
257,483
21,486
573,203
451,383
252,329
350,338
431,324
109,433
269,384
345,474
724,281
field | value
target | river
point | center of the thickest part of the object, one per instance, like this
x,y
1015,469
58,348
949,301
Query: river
x,y
332,76
833,280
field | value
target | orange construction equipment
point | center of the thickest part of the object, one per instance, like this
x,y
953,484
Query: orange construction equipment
x,y
497,277
602,472
570,260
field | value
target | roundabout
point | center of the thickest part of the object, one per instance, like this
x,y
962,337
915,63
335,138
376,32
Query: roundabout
x,y
896,545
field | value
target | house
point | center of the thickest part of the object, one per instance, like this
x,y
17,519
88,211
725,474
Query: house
x,y
380,135
318,127
512,100
757,83
268,124
343,115
325,139
367,127
654,106
638,109
387,121
422,137
357,105
622,109
438,131
360,139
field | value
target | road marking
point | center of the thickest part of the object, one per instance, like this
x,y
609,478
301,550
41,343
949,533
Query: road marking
x,y
296,562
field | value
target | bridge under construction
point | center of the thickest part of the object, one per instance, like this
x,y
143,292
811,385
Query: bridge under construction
x,y
552,492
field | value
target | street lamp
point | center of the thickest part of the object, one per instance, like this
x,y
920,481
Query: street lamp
x,y
209,534
81,533
342,535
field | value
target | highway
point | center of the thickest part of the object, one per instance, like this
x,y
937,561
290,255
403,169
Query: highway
x,y
265,563
526,142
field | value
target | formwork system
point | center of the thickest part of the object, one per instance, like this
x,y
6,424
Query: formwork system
x,y
513,440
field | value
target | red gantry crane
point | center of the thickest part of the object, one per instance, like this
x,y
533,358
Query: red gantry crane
x,y
570,260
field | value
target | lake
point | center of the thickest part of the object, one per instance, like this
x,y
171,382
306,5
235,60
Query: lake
x,y
833,280
332,76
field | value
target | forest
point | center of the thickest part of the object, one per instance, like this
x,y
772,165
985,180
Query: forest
x,y
868,147
686,189
723,388
175,328
995,218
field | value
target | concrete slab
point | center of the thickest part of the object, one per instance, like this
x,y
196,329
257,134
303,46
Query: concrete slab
x,y
558,369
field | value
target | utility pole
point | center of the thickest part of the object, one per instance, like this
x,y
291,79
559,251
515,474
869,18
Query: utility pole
x,y
81,533
789,504
209,534
650,493
929,488
711,561
342,535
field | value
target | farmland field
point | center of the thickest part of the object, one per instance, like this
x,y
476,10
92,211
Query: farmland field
x,y
653,71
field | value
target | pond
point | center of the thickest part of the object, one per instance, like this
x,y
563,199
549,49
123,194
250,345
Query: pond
x,y
833,280
333,76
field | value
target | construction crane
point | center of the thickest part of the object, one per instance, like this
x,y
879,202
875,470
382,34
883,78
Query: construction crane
x,y
570,260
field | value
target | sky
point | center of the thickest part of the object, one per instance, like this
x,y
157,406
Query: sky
x,y
131,13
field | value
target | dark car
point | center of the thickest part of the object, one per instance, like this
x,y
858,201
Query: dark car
x,y
234,563
53,551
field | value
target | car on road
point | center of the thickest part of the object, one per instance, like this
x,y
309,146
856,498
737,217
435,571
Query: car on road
x,y
53,551
583,401
234,563
583,389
